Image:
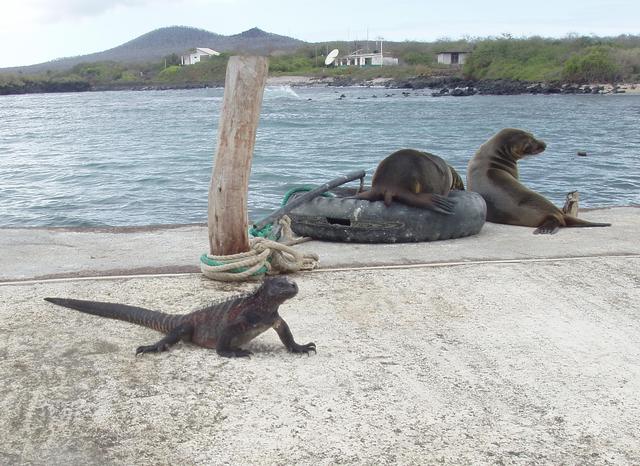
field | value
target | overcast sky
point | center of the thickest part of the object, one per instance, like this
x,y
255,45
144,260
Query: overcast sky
x,y
35,31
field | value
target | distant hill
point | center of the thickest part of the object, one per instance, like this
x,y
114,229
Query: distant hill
x,y
175,39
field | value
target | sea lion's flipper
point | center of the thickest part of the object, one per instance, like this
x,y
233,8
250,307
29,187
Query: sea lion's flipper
x,y
572,221
388,197
435,202
366,195
442,204
550,226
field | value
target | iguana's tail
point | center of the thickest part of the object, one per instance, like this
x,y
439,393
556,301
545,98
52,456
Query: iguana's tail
x,y
137,315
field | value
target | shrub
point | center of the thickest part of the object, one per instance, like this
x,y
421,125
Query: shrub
x,y
594,64
628,62
418,58
170,73
532,59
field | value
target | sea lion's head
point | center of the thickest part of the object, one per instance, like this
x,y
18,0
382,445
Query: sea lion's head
x,y
518,144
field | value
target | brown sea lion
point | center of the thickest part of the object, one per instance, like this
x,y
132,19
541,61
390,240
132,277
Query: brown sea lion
x,y
415,178
493,173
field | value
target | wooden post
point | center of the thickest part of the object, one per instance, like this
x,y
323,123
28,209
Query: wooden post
x,y
571,203
243,90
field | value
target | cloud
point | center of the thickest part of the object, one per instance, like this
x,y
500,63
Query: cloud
x,y
50,11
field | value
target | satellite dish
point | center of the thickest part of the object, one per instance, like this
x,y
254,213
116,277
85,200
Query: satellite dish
x,y
331,57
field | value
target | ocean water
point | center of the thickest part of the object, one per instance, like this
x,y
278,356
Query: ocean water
x,y
140,158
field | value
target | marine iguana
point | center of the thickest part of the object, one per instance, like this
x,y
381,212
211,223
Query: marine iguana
x,y
224,325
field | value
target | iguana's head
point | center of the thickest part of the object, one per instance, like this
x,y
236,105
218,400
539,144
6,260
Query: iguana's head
x,y
279,288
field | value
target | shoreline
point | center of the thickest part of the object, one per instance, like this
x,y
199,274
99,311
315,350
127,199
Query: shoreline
x,y
125,251
459,87
116,229
445,86
449,86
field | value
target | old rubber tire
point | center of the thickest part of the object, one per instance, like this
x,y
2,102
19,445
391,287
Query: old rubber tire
x,y
358,221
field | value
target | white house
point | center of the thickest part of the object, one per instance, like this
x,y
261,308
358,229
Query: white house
x,y
452,58
193,57
359,58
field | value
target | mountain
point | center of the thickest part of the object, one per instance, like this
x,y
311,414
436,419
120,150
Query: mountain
x,y
258,41
175,39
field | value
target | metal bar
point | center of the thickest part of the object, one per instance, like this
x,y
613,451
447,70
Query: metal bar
x,y
360,174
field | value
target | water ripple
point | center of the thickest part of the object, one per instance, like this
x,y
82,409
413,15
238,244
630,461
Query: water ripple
x,y
135,158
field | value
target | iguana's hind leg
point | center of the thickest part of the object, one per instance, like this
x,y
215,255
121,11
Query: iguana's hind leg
x,y
171,338
286,337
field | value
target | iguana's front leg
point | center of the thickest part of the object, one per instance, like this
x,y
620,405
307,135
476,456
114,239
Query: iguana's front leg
x,y
223,346
173,337
286,337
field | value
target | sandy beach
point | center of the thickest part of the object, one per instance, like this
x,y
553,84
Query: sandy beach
x,y
297,81
630,89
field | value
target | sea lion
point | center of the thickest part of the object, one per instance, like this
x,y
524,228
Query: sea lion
x,y
415,178
493,173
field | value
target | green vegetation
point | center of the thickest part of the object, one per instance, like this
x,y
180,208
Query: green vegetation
x,y
295,63
594,64
518,59
30,84
572,59
209,71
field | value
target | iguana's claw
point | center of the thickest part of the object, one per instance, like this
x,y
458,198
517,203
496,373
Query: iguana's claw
x,y
303,348
151,349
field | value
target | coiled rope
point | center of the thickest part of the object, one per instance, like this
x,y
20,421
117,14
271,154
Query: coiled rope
x,y
265,257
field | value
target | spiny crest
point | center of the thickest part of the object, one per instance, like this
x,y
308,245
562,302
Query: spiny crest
x,y
235,297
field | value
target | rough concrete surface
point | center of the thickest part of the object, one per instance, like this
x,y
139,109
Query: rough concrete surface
x,y
60,252
482,363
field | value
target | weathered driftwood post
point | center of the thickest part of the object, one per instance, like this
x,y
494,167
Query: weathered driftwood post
x,y
571,203
243,90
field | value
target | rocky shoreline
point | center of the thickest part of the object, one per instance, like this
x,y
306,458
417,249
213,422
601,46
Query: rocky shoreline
x,y
443,86
460,87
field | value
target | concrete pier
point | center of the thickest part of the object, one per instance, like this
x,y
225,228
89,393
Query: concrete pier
x,y
502,348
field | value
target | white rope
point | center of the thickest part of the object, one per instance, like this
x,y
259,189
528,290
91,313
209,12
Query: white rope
x,y
286,233
265,256
35,281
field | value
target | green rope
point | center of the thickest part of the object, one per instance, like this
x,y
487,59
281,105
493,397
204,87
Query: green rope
x,y
214,263
267,230
264,232
300,189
